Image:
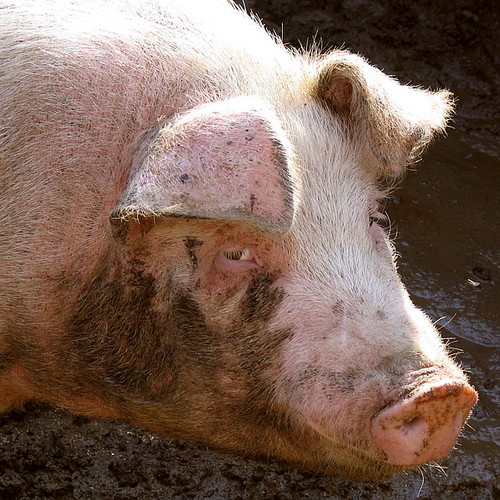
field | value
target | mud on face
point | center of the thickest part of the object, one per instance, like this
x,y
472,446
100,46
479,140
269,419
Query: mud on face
x,y
145,342
184,348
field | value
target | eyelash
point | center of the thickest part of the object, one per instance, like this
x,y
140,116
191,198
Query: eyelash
x,y
237,254
238,260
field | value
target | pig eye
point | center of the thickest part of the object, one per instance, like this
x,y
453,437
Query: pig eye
x,y
237,260
238,255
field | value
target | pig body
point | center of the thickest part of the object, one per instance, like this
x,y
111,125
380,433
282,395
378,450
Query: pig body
x,y
190,242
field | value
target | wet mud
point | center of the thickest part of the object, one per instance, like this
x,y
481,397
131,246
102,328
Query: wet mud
x,y
446,223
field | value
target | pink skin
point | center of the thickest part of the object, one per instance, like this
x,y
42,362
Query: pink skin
x,y
364,354
349,397
340,416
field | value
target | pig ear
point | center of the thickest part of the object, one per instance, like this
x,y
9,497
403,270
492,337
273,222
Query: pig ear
x,y
397,120
228,161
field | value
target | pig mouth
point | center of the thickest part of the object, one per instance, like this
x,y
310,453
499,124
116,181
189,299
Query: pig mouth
x,y
355,460
354,463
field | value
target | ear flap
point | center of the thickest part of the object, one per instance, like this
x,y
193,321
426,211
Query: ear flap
x,y
228,160
398,120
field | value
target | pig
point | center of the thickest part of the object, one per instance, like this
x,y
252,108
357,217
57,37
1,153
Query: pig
x,y
192,240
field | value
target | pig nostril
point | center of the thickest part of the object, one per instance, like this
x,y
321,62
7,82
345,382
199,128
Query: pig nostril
x,y
409,422
415,425
413,422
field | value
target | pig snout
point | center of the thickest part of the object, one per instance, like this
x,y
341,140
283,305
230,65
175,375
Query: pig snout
x,y
424,425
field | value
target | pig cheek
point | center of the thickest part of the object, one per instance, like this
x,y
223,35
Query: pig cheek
x,y
313,380
238,306
321,398
317,397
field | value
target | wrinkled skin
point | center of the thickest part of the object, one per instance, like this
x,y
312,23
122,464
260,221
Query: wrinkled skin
x,y
192,240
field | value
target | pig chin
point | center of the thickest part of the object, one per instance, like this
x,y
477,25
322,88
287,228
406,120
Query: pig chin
x,y
354,464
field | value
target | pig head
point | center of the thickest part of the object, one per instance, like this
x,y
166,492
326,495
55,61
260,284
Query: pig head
x,y
287,317
239,289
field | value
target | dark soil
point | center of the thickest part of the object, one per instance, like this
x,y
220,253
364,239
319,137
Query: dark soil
x,y
447,221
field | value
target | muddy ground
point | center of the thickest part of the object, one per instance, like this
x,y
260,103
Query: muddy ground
x,y
447,221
